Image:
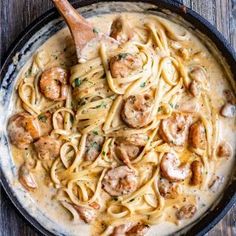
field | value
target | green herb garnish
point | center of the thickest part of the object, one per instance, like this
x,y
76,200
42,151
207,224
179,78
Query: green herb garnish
x,y
103,105
77,82
104,153
122,55
42,118
95,31
95,132
143,85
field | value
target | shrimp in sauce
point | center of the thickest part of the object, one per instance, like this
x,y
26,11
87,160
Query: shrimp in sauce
x,y
47,147
174,130
124,64
26,178
198,76
93,146
224,150
168,189
53,83
136,111
86,214
120,181
128,148
120,30
23,129
171,168
126,152
186,212
130,229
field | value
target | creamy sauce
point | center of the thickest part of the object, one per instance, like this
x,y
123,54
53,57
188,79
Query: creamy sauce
x,y
60,50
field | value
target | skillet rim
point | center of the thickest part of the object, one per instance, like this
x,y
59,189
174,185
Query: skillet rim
x,y
208,220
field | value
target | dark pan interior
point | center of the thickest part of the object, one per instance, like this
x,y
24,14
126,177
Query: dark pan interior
x,y
228,199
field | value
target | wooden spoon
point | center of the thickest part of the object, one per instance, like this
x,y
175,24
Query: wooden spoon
x,y
82,31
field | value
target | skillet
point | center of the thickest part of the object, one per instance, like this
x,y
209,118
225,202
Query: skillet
x,y
47,25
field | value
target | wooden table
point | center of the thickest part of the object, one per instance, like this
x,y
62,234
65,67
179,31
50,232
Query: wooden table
x,y
17,14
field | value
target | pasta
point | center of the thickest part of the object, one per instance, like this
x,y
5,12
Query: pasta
x,y
121,141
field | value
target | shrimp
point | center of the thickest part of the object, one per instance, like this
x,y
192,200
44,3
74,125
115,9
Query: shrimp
x,y
86,214
228,110
171,168
198,76
53,83
124,64
136,111
47,147
138,230
196,168
186,212
195,88
129,229
128,148
120,181
174,130
121,230
197,135
120,30
93,146
26,178
167,189
23,129
126,152
134,139
224,150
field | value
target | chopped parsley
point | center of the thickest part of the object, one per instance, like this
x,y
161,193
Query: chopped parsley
x,y
95,132
122,55
102,105
77,82
142,85
95,31
42,118
104,153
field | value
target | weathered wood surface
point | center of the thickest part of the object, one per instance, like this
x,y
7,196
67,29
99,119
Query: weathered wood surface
x,y
17,14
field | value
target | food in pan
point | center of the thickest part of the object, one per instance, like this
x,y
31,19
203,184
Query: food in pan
x,y
138,136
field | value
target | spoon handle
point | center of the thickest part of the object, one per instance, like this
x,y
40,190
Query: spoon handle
x,y
81,30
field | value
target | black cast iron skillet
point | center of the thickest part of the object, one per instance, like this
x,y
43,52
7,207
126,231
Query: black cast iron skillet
x,y
228,199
